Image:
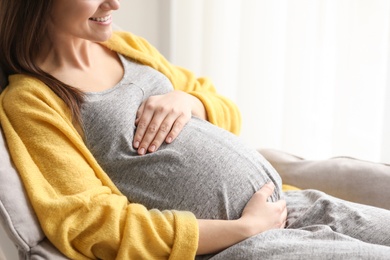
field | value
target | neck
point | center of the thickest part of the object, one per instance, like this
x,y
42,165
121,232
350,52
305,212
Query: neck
x,y
58,53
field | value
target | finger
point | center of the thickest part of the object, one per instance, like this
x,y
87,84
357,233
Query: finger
x,y
283,224
177,127
150,134
267,189
139,113
285,214
169,129
162,133
283,206
142,127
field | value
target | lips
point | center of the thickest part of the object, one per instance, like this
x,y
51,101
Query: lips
x,y
101,19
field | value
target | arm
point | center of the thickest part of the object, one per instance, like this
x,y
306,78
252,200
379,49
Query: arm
x,y
79,208
258,216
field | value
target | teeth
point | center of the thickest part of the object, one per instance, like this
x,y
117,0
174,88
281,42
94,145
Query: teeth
x,y
100,19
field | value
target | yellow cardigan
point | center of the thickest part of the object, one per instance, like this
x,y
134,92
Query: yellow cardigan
x,y
79,208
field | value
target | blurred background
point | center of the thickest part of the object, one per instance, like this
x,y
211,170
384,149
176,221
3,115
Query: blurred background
x,y
311,77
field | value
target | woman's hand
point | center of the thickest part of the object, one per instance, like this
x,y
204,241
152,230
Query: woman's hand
x,y
258,216
161,118
261,215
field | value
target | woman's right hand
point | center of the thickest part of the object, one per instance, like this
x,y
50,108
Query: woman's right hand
x,y
258,216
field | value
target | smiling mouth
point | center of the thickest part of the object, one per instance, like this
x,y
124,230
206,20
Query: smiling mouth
x,y
101,19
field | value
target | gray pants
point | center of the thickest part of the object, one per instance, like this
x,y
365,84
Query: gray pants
x,y
320,227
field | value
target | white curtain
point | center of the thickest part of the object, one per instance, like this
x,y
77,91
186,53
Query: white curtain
x,y
311,77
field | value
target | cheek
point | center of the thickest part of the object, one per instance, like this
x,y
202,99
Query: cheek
x,y
82,10
72,19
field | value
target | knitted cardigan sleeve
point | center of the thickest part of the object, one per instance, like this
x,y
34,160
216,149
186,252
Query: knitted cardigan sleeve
x,y
80,210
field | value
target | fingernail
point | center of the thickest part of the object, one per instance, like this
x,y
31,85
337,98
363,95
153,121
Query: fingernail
x,y
169,139
152,148
141,151
136,144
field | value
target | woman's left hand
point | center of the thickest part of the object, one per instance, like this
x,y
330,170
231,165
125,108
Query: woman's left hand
x,y
161,118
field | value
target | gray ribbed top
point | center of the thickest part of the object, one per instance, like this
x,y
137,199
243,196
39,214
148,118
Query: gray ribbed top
x,y
206,170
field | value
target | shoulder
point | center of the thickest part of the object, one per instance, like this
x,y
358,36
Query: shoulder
x,y
127,38
22,87
27,94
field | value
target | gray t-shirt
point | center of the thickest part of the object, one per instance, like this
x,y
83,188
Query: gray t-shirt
x,y
206,170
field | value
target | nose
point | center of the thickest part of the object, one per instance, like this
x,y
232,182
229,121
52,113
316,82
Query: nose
x,y
110,5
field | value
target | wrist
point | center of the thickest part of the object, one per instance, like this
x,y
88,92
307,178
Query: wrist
x,y
197,108
244,229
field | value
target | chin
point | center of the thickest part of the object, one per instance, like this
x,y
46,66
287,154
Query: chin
x,y
102,37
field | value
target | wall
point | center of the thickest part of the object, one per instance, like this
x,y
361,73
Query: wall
x,y
146,18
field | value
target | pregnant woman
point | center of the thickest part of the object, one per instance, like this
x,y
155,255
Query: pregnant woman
x,y
125,156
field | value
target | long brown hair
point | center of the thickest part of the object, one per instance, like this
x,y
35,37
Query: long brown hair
x,y
23,23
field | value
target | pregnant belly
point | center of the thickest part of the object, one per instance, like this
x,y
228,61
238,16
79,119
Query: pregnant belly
x,y
207,171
